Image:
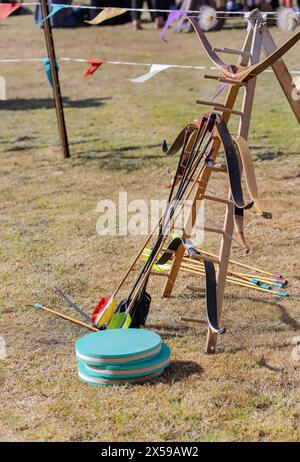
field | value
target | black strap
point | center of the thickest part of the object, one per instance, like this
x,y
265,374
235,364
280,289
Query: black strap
x,y
211,298
232,166
140,310
210,277
173,246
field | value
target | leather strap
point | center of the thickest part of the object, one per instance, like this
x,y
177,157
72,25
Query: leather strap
x,y
179,140
239,228
248,169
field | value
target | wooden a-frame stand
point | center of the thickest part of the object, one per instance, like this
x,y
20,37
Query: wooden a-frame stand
x,y
258,38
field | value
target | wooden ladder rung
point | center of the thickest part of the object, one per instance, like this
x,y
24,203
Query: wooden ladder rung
x,y
213,230
195,288
233,51
221,200
203,258
171,252
219,107
212,77
156,273
237,83
198,321
217,167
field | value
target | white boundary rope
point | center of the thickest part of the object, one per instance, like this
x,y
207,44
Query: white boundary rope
x,y
126,63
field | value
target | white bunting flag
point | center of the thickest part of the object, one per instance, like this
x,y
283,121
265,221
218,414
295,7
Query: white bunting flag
x,y
154,69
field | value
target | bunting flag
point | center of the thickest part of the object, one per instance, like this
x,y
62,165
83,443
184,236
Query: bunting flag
x,y
221,88
8,8
154,69
55,9
93,66
107,14
47,68
176,14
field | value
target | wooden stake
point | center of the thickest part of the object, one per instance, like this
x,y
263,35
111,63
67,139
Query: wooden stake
x,y
198,321
64,316
55,79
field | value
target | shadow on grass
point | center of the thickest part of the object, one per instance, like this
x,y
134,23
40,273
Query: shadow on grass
x,y
48,103
119,159
167,331
179,370
262,362
18,148
115,159
284,315
103,153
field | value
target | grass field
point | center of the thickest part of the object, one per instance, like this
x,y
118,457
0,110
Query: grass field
x,y
250,389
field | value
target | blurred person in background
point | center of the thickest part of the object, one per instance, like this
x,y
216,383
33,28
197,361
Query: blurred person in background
x,y
158,17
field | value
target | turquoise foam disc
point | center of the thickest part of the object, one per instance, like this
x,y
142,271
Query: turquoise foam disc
x,y
134,369
117,345
85,377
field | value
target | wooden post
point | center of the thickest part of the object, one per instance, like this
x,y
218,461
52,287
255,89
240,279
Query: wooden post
x,y
279,68
55,79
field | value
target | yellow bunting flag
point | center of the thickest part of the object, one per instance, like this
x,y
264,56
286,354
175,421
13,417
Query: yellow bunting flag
x,y
106,14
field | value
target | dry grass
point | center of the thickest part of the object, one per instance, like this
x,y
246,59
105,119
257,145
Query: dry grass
x,y
249,390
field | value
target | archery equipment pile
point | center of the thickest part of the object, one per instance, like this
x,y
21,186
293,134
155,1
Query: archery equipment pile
x,y
198,145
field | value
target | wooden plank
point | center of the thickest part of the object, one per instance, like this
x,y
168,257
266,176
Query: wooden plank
x,y
233,51
219,107
198,321
224,80
55,82
214,199
282,74
174,271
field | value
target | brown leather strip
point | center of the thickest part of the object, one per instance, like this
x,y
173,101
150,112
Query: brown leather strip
x,y
239,228
249,172
179,140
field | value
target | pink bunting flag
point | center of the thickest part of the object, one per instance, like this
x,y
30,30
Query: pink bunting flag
x,y
176,14
93,66
8,8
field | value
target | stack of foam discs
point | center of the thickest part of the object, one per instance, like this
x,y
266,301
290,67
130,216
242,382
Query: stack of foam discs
x,y
120,356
